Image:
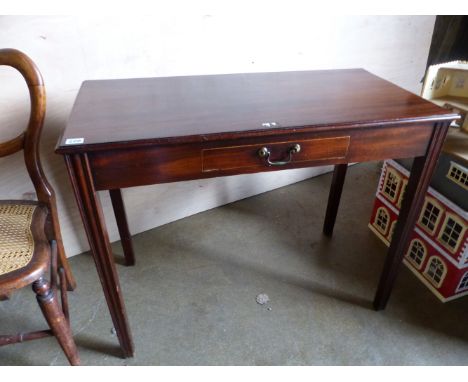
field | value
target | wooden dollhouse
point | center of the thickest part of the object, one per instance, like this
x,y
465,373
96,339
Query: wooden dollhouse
x,y
438,250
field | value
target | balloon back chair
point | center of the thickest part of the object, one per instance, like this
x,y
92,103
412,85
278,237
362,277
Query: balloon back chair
x,y
30,237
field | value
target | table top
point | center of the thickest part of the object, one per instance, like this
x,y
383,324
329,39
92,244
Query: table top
x,y
200,108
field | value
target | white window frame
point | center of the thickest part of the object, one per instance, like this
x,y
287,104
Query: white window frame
x,y
398,186
464,279
378,227
454,217
463,170
391,231
444,273
404,184
408,253
434,202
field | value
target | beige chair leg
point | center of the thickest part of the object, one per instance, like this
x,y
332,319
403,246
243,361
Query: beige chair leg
x,y
49,303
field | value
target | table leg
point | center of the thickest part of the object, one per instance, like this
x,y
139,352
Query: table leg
x,y
95,227
418,183
339,174
122,225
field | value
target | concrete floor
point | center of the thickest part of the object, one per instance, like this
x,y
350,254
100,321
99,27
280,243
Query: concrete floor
x,y
191,296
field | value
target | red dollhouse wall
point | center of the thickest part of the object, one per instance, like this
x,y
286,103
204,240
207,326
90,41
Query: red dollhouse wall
x,y
454,271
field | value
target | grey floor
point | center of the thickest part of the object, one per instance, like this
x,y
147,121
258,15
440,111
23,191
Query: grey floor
x,y
191,296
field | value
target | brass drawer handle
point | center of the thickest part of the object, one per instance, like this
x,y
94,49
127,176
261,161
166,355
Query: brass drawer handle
x,y
265,152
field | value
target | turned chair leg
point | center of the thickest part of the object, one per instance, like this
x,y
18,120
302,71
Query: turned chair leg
x,y
49,303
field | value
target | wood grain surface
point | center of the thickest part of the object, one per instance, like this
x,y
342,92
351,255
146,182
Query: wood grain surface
x,y
212,107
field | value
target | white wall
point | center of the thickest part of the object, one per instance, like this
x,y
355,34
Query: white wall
x,y
200,40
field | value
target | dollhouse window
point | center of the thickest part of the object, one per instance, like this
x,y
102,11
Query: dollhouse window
x,y
460,83
416,253
458,174
382,219
452,233
435,271
402,193
463,283
391,184
430,215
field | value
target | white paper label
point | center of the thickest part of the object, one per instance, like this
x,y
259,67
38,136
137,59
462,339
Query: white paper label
x,y
74,141
270,124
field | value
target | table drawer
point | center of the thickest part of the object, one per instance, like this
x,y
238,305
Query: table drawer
x,y
152,164
274,154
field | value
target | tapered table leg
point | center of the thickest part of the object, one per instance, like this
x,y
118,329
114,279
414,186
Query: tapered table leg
x,y
339,175
122,225
418,183
95,227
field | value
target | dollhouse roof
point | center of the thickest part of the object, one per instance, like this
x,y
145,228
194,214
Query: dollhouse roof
x,y
441,183
456,145
458,64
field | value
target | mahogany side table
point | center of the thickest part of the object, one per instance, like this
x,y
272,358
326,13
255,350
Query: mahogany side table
x,y
134,132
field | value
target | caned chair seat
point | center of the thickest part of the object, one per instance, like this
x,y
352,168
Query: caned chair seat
x,y
16,241
23,244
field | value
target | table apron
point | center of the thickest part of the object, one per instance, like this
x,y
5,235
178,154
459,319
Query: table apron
x,y
144,165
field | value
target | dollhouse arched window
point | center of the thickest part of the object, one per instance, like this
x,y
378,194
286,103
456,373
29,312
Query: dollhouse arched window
x,y
463,283
416,253
391,184
382,219
435,271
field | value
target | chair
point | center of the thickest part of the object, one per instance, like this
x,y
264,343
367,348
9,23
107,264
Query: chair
x,y
30,237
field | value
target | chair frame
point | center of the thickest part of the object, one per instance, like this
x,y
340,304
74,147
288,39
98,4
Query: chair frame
x,y
53,256
29,142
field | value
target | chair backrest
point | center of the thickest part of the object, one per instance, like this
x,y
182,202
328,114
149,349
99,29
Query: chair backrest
x,y
29,139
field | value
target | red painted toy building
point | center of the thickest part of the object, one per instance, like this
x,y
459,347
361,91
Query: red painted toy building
x,y
438,250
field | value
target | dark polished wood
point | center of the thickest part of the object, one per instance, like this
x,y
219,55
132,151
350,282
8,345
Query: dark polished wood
x,y
134,132
122,225
44,226
29,141
191,109
418,183
55,317
23,337
339,175
172,163
96,231
12,146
